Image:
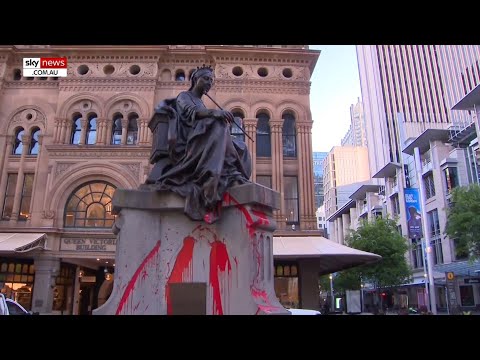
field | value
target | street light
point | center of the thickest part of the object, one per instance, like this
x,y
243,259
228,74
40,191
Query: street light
x,y
361,292
426,233
331,292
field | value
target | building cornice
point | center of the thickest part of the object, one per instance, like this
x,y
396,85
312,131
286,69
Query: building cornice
x,y
97,151
36,84
264,55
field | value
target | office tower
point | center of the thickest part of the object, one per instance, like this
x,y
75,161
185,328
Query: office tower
x,y
407,89
318,177
356,135
344,165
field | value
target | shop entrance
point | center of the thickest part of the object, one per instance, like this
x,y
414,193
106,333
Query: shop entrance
x,y
85,304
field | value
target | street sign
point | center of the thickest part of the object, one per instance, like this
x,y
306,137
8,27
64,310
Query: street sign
x,y
451,285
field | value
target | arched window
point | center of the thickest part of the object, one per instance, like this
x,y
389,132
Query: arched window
x,y
235,130
91,129
180,75
18,147
166,75
76,129
34,142
117,129
289,136
90,205
132,130
263,135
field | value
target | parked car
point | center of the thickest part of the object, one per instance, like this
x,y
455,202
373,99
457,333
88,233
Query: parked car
x,y
11,307
304,312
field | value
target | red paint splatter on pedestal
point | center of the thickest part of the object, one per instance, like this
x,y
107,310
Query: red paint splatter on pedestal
x,y
219,262
182,270
126,297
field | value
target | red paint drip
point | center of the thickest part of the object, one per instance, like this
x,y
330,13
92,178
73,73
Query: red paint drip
x,y
218,263
182,263
258,257
262,218
261,295
131,285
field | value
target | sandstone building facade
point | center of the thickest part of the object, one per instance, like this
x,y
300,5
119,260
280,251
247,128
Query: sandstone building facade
x,y
67,144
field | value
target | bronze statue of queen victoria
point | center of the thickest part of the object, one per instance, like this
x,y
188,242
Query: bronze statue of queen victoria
x,y
193,153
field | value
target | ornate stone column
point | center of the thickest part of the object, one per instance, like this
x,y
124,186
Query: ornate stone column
x,y
67,136
250,127
65,131
143,130
57,130
276,126
124,131
19,186
305,176
10,140
108,134
101,131
35,176
83,133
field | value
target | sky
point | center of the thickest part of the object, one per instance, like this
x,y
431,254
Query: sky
x,y
335,86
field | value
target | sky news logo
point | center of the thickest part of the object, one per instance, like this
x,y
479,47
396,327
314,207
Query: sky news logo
x,y
45,67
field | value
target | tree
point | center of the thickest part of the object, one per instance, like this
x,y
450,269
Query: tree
x,y
348,280
379,236
463,220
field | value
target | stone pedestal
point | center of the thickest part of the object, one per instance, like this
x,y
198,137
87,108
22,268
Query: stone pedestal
x,y
169,264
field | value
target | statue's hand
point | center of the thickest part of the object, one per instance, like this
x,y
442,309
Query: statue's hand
x,y
227,116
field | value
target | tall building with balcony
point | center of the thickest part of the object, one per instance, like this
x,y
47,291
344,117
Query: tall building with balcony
x,y
407,89
408,93
69,143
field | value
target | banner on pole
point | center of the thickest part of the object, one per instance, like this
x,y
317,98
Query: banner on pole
x,y
414,217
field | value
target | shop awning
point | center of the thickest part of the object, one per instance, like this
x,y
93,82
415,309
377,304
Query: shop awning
x,y
332,256
21,242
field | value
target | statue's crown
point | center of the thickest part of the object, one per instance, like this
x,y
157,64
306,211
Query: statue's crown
x,y
201,68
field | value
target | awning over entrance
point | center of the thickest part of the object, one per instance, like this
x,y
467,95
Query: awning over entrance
x,y
332,256
460,268
21,242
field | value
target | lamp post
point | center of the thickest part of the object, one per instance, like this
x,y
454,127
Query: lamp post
x,y
331,292
361,292
426,232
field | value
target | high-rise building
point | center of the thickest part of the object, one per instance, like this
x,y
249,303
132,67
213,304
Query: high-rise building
x,y
318,177
344,165
356,135
409,92
407,89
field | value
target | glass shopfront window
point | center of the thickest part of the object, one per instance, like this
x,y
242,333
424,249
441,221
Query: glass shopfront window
x,y
286,284
16,280
63,290
466,295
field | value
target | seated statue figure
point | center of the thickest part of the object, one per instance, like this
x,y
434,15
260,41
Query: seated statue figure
x,y
201,160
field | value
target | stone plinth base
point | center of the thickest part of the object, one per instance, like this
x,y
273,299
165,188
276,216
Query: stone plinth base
x,y
222,268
